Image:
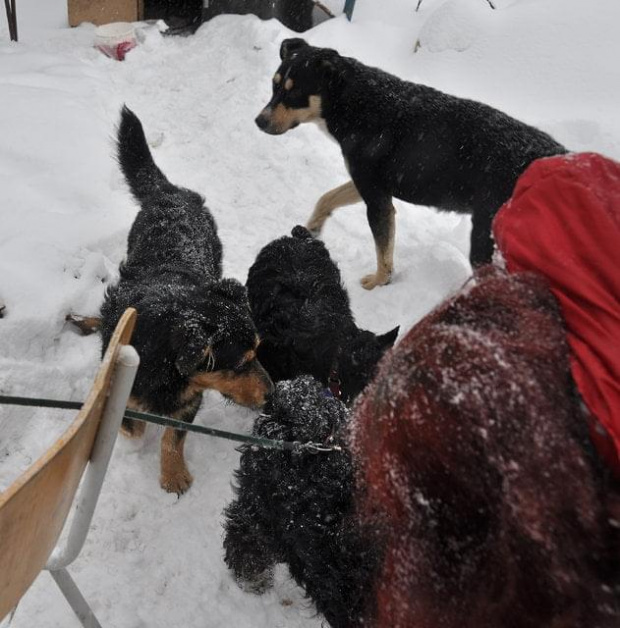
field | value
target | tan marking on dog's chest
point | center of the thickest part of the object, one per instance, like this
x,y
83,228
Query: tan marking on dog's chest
x,y
191,403
189,393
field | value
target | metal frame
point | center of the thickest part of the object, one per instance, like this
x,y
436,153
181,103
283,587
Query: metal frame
x,y
65,553
11,16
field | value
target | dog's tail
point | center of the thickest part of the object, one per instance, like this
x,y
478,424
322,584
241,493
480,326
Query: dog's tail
x,y
134,156
301,233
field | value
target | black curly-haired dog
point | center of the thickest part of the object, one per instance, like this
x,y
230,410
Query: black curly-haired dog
x,y
304,319
298,508
403,140
194,329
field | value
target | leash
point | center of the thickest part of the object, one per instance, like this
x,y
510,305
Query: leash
x,y
296,447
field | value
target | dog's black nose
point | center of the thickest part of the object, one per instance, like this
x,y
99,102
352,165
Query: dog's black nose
x,y
262,122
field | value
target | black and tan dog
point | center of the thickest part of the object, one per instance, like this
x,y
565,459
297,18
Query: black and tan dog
x,y
403,140
303,315
194,329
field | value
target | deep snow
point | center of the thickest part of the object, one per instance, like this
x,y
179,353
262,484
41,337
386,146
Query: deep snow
x,y
151,559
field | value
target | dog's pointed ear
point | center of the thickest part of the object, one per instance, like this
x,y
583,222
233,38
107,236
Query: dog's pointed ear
x,y
232,289
389,338
290,47
191,346
328,62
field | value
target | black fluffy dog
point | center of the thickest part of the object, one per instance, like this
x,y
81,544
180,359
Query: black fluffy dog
x,y
304,319
402,140
298,508
194,329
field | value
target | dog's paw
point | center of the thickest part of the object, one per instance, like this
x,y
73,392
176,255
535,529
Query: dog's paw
x,y
375,279
257,584
86,324
177,482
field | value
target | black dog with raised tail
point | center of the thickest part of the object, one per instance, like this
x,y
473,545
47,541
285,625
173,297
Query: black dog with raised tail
x,y
194,329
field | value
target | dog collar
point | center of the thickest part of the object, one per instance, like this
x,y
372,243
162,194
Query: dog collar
x,y
333,384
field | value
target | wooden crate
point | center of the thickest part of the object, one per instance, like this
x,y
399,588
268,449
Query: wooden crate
x,y
104,11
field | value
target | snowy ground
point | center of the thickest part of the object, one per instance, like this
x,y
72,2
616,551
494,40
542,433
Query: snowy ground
x,y
151,559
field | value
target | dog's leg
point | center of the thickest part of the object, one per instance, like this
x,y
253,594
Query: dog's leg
x,y
249,550
482,245
341,196
131,428
175,476
383,227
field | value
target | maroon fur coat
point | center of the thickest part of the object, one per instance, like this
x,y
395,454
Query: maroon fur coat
x,y
474,451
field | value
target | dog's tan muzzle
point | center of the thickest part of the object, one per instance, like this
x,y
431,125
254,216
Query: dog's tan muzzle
x,y
250,389
277,120
265,122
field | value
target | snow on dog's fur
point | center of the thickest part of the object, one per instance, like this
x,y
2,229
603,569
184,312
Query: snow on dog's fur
x,y
298,508
402,140
194,330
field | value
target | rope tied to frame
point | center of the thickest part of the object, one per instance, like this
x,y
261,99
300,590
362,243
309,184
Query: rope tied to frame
x,y
295,447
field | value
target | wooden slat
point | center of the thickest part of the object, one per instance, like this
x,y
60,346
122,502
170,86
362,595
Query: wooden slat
x,y
103,11
34,508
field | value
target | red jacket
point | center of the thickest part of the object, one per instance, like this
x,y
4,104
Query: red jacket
x,y
563,221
